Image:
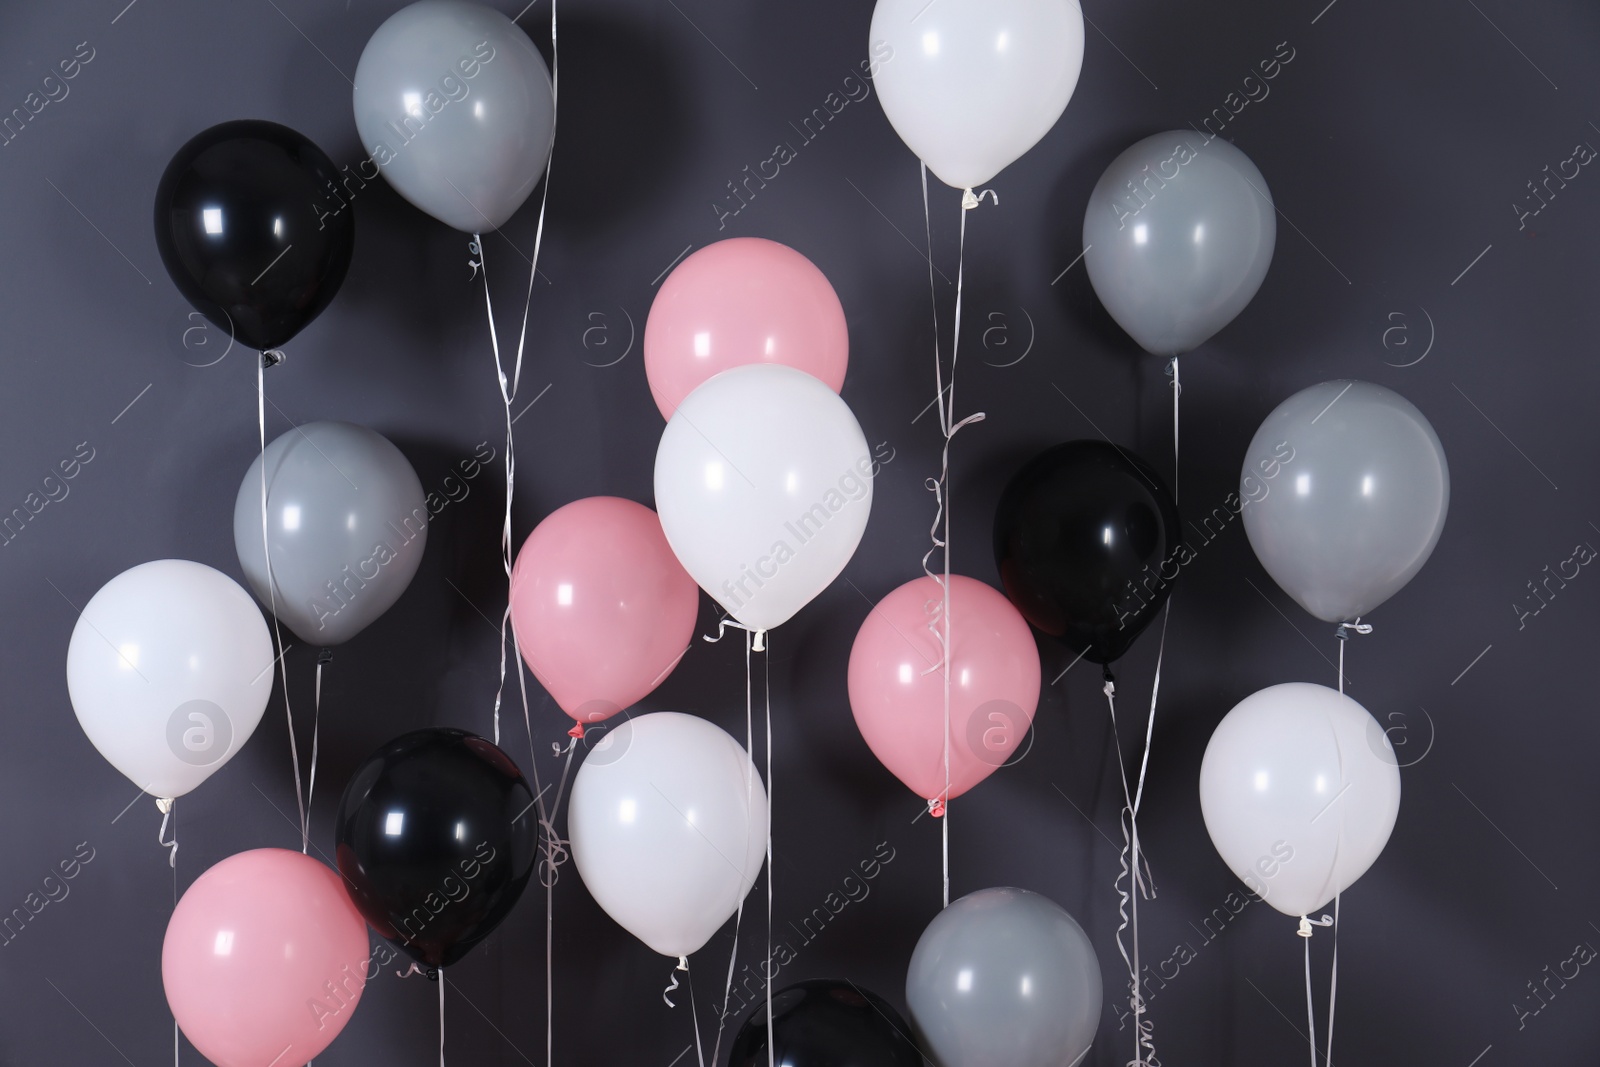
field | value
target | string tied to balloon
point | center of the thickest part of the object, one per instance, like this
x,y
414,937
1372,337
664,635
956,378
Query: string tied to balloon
x,y
1343,632
672,977
1134,879
430,973
271,358
1307,924
165,805
758,636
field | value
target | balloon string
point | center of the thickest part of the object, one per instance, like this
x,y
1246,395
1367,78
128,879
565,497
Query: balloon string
x,y
694,1012
441,1017
508,388
1177,391
165,805
1140,883
766,964
323,659
749,794
553,846
1343,632
272,359
945,400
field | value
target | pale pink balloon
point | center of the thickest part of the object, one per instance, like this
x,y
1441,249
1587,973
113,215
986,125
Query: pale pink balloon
x,y
601,607
740,301
264,960
897,687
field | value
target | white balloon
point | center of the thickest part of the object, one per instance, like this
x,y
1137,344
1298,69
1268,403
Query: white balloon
x,y
971,85
763,485
668,826
169,670
1300,789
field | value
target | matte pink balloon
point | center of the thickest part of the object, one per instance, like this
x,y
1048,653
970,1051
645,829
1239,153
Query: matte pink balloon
x,y
897,692
602,609
265,959
740,301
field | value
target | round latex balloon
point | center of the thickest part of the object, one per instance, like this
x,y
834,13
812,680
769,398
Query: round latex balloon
x,y
454,104
602,609
668,825
971,85
1087,541
740,301
825,1023
1177,238
347,521
1005,978
169,669
897,692
243,230
1299,788
436,838
763,483
1348,490
264,959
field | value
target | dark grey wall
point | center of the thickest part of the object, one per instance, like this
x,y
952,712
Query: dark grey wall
x,y
1396,143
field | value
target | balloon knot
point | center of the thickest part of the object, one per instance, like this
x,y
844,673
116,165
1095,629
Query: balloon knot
x,y
970,199
1306,924
576,732
1346,628
325,657
936,808
164,805
760,643
270,358
683,963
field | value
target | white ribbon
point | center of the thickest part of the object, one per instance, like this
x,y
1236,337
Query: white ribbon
x,y
271,358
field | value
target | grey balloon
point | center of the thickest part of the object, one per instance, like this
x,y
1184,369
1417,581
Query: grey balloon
x,y
348,522
1004,978
1344,489
454,104
1177,238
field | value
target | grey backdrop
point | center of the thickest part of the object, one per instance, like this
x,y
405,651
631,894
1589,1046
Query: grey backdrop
x,y
1397,144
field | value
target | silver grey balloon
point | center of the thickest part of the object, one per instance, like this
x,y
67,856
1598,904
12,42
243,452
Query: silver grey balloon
x,y
348,522
1344,489
455,105
1178,237
1004,978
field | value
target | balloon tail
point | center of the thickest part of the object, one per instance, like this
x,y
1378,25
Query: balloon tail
x,y
271,359
165,806
441,1017
672,981
1305,931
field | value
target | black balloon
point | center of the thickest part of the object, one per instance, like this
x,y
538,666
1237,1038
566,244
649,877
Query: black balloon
x,y
250,231
436,840
1086,538
824,1023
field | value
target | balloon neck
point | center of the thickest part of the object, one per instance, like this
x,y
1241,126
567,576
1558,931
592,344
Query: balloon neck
x,y
683,963
759,644
164,805
1345,629
936,808
1307,923
576,733
325,657
270,358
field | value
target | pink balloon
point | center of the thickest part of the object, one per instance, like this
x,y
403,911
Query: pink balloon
x,y
601,607
897,692
740,301
265,959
